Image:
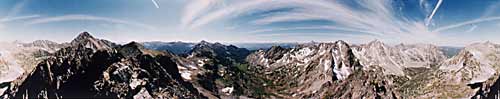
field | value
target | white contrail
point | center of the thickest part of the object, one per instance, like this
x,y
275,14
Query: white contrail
x,y
472,28
193,9
429,19
156,3
466,23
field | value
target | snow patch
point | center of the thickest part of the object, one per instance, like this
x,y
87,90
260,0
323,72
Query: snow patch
x,y
135,82
326,64
341,73
228,90
143,94
186,75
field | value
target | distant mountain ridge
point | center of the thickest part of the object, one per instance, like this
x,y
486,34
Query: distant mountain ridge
x,y
182,48
174,47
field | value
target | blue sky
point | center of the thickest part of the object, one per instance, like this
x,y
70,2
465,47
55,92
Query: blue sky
x,y
440,22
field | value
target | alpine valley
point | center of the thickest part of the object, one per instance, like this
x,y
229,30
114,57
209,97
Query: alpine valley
x,y
88,67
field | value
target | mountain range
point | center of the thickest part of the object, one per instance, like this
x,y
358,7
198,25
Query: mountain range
x,y
88,67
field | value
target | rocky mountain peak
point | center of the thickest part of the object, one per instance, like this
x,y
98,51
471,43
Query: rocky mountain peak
x,y
132,49
226,54
342,45
83,36
212,45
376,43
86,40
276,49
341,42
203,43
134,45
275,52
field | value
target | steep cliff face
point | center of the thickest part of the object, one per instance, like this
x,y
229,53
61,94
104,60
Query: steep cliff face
x,y
95,68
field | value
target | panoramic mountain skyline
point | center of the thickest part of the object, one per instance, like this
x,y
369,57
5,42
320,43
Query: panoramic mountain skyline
x,y
440,22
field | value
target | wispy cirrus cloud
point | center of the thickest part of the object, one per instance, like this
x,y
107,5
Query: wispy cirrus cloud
x,y
8,19
88,18
380,19
377,17
194,8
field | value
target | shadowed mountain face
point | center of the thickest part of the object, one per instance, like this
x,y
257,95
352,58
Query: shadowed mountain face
x,y
88,67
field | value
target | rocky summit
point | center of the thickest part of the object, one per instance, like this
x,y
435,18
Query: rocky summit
x,y
88,67
94,68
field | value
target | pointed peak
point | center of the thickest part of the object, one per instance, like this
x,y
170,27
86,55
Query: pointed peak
x,y
275,48
203,42
132,49
86,40
376,42
84,35
341,42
